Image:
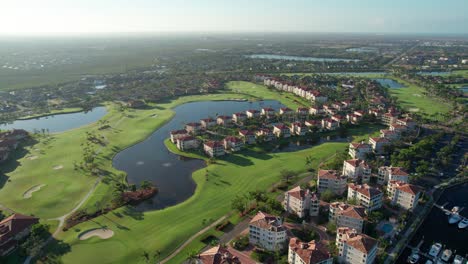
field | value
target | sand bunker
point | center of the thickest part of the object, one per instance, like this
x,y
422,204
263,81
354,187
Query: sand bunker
x,y
102,233
29,192
418,95
58,167
414,109
32,157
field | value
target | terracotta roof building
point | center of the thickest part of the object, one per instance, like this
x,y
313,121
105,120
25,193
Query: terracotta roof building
x,y
404,194
331,180
13,229
308,253
267,231
369,197
346,215
354,248
300,202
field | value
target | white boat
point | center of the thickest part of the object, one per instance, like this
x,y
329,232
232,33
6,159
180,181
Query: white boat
x,y
458,259
463,223
454,218
446,254
414,258
428,262
435,250
455,209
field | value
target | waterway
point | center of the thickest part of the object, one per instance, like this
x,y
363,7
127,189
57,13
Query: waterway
x,y
297,58
59,122
436,228
150,160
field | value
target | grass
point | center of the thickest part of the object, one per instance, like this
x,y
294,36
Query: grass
x,y
354,74
217,185
412,98
136,232
262,92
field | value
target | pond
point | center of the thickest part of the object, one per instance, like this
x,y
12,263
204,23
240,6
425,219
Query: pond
x,y
59,122
356,73
437,73
150,160
297,58
390,83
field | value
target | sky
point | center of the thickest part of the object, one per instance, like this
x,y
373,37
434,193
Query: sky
x,y
366,16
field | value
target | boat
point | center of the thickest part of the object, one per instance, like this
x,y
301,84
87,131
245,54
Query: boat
x,y
435,250
414,258
446,254
454,218
455,209
428,262
463,223
459,260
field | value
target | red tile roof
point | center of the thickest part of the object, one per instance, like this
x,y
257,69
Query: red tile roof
x,y
15,224
361,242
311,252
267,221
328,174
365,189
218,255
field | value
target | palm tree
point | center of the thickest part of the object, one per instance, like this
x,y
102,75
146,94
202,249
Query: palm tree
x,y
192,257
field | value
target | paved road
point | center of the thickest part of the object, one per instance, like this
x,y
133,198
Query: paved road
x,y
236,231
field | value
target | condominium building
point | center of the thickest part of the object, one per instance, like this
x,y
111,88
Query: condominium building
x,y
355,248
187,142
403,194
267,231
308,253
331,180
369,197
357,170
301,201
345,215
389,173
359,150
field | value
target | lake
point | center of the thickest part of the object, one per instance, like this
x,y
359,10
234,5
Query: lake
x,y
297,58
390,83
362,50
436,228
150,160
59,122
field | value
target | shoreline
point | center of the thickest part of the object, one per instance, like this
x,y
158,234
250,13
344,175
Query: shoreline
x,y
37,116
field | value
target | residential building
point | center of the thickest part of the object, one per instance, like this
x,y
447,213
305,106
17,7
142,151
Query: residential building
x,y
298,129
248,136
316,110
224,120
300,202
187,142
408,122
223,255
389,118
353,119
330,124
357,170
403,194
193,128
389,134
313,124
345,215
308,253
176,134
302,111
214,148
268,112
378,144
389,173
252,113
13,229
369,197
338,118
239,117
233,143
316,96
286,112
266,133
207,123
355,248
267,231
281,130
359,150
331,180
136,104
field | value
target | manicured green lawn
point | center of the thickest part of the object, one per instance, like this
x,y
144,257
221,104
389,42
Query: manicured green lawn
x,y
412,98
262,92
165,229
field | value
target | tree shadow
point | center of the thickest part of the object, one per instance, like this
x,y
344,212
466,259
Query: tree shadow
x,y
133,213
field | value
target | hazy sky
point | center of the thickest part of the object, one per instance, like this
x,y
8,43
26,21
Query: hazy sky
x,y
71,16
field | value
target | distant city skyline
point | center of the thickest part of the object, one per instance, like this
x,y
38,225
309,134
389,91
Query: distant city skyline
x,y
113,16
